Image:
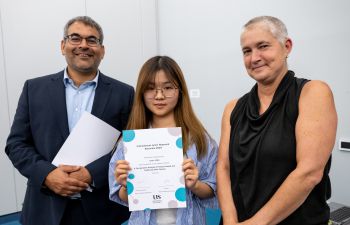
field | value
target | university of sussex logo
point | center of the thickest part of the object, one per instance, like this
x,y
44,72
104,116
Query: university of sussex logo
x,y
157,197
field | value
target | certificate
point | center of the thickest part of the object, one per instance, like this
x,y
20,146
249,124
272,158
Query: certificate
x,y
156,179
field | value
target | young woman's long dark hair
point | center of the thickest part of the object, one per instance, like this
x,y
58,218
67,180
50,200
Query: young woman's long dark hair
x,y
193,131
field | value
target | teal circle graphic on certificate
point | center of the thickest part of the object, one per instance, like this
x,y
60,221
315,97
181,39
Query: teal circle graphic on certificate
x,y
128,135
180,194
147,209
129,187
131,176
179,142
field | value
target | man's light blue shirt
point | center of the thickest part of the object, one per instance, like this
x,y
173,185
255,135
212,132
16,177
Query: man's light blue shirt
x,y
78,99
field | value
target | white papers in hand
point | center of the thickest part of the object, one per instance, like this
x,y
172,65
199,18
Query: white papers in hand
x,y
90,139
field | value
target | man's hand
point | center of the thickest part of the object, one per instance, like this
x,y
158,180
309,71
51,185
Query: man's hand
x,y
82,174
62,184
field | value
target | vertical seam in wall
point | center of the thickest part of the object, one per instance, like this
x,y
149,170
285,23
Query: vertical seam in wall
x,y
157,26
4,62
7,98
85,2
142,28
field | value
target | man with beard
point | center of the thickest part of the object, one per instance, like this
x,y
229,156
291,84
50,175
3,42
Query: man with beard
x,y
48,109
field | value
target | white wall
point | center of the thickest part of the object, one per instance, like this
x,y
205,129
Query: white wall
x,y
203,37
30,47
7,193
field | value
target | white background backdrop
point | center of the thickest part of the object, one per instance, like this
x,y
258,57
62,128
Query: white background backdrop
x,y
201,35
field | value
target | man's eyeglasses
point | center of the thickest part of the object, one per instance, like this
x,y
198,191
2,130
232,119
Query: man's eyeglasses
x,y
167,91
75,39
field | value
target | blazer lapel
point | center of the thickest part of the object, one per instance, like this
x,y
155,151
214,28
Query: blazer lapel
x,y
58,103
102,93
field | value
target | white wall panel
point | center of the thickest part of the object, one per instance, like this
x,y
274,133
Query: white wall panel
x,y
130,35
7,191
32,34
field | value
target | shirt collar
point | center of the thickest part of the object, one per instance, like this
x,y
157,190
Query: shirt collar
x,y
68,81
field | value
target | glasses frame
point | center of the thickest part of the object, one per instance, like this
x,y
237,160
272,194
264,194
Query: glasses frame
x,y
162,91
68,37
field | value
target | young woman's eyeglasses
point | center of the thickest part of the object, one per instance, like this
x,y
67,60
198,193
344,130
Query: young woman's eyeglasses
x,y
75,39
167,91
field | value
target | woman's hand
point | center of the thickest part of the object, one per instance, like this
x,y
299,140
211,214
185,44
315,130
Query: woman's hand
x,y
121,171
190,173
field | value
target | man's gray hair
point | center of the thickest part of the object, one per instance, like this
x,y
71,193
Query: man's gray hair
x,y
273,24
87,21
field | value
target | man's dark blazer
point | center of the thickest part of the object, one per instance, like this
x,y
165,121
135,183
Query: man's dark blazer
x,y
40,128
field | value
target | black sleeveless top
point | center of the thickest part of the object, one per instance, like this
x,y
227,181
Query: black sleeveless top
x,y
262,154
